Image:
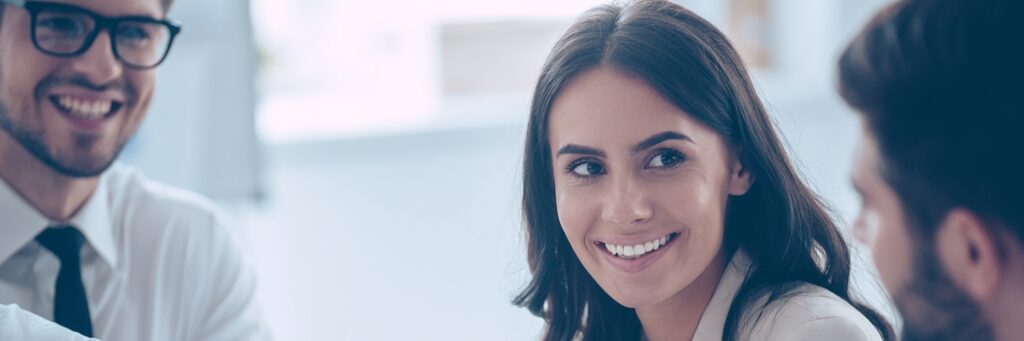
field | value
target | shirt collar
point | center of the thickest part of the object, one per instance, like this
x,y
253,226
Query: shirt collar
x,y
22,222
712,322
93,219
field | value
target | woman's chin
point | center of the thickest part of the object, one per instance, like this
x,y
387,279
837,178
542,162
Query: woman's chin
x,y
637,293
637,298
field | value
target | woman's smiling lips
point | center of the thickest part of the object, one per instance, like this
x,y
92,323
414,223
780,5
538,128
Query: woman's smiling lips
x,y
630,256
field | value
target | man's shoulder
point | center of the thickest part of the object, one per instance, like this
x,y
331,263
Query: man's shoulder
x,y
137,198
171,235
154,213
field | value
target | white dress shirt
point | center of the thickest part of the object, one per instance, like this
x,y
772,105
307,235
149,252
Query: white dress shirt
x,y
811,313
158,264
17,324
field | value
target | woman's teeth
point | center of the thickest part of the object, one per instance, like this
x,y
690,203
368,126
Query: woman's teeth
x,y
634,251
90,110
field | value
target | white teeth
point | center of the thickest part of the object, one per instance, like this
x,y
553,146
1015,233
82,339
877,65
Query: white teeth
x,y
92,110
633,251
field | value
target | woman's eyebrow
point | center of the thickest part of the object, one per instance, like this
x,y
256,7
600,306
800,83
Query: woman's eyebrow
x,y
643,145
580,150
659,138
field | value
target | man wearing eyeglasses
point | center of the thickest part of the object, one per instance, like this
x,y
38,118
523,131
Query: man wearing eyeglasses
x,y
93,247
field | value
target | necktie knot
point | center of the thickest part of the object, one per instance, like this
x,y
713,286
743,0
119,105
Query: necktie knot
x,y
65,242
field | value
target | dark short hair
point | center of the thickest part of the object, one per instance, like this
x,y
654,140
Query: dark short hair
x,y
165,4
939,84
779,223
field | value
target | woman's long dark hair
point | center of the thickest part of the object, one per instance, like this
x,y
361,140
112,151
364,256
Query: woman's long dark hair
x,y
780,223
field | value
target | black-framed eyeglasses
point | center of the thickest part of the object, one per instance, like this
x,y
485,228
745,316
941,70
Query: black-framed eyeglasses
x,y
64,30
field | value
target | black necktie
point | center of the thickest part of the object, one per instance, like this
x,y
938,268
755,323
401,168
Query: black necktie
x,y
70,306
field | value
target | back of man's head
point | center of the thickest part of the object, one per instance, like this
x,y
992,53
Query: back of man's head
x,y
940,86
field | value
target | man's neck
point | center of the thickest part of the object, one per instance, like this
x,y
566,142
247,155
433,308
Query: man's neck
x,y
55,196
677,318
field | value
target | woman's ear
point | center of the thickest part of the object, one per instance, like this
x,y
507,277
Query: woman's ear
x,y
740,179
970,254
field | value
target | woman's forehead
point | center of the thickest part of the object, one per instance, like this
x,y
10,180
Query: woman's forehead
x,y
606,106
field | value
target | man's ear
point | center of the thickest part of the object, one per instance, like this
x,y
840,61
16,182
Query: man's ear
x,y
969,252
740,177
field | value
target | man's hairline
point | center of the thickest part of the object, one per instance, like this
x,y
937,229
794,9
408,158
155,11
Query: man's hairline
x,y
165,5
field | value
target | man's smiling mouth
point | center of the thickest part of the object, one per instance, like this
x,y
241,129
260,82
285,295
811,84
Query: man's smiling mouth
x,y
85,109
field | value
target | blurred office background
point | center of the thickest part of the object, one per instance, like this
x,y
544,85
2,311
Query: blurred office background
x,y
369,152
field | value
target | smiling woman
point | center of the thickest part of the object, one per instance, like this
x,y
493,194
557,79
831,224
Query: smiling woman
x,y
628,187
659,201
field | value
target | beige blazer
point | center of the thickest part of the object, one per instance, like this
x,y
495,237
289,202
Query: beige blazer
x,y
813,313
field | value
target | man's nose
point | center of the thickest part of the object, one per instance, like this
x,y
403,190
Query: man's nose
x,y
98,64
865,227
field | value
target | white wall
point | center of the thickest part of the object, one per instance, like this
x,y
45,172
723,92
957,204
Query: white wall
x,y
416,234
200,132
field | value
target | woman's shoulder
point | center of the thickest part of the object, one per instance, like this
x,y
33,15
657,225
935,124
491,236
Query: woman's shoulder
x,y
810,312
